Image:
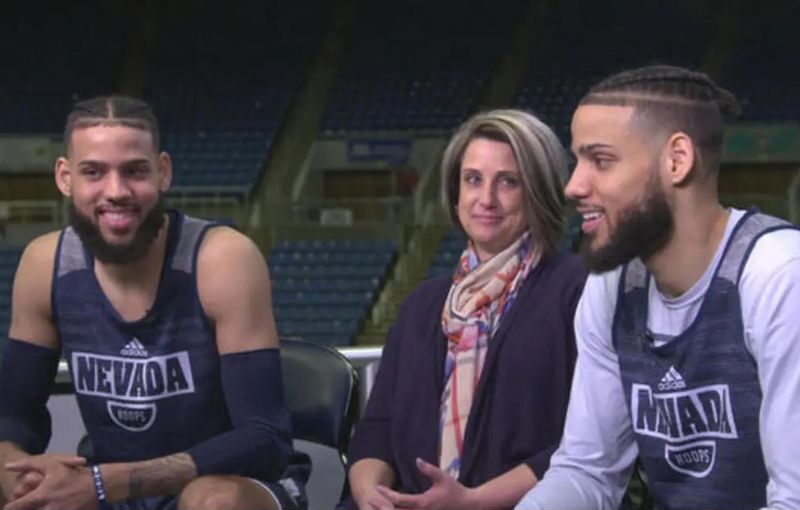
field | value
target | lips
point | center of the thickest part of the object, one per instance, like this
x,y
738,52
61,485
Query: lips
x,y
591,219
487,220
118,219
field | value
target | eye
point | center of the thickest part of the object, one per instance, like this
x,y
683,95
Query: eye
x,y
139,171
509,181
602,162
471,178
91,173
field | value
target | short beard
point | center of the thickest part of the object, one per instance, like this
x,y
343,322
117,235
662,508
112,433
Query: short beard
x,y
642,230
107,253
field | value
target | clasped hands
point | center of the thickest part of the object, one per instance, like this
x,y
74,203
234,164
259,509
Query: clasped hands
x,y
51,482
445,493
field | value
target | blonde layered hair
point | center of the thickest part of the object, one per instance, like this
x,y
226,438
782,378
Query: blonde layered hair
x,y
540,159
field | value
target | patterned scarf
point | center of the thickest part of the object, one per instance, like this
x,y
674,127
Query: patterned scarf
x,y
478,299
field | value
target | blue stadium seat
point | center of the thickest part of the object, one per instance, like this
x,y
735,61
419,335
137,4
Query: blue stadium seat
x,y
326,287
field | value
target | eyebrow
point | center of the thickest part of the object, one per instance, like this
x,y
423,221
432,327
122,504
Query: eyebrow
x,y
591,147
94,162
501,171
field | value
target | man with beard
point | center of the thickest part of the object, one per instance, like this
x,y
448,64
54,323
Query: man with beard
x,y
166,323
687,332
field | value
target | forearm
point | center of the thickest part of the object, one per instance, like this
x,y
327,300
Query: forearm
x,y
504,491
365,474
9,452
155,477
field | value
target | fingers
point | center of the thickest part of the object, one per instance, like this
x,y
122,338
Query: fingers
x,y
39,462
26,464
26,483
431,471
70,460
376,501
399,500
30,501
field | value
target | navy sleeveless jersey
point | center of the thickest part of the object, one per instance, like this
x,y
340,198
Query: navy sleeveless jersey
x,y
695,400
145,388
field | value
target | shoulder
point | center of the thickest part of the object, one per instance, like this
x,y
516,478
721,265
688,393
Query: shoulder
x,y
31,312
226,247
769,289
598,302
566,270
42,249
428,296
229,266
774,254
38,260
774,249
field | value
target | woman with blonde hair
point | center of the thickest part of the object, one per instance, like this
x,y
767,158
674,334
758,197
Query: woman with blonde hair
x,y
470,398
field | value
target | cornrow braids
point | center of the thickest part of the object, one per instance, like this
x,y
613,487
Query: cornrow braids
x,y
112,110
673,99
668,83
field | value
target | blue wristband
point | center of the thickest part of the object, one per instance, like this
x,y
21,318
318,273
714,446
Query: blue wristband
x,y
99,488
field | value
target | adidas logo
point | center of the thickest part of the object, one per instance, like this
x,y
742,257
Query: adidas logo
x,y
134,348
672,380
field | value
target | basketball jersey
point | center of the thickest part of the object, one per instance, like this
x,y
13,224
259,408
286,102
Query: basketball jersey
x,y
149,387
695,399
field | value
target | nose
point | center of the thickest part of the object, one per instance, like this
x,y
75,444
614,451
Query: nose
x,y
488,195
116,187
578,185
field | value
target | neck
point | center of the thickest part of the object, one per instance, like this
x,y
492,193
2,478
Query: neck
x,y
696,236
142,271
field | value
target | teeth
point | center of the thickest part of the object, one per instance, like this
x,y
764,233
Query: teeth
x,y
591,216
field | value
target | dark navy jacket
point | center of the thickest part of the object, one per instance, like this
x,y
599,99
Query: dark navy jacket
x,y
519,408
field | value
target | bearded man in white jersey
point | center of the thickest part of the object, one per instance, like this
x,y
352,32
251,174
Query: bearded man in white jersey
x,y
687,332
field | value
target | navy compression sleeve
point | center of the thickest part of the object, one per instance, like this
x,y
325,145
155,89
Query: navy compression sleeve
x,y
27,372
260,442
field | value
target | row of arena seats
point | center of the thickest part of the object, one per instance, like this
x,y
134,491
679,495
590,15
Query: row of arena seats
x,y
422,68
324,285
334,245
334,259
446,257
324,289
293,270
222,80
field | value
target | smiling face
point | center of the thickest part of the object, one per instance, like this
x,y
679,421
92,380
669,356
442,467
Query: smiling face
x,y
491,206
115,179
616,184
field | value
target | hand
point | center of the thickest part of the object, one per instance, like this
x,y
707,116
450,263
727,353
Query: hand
x,y
374,500
445,493
29,480
65,483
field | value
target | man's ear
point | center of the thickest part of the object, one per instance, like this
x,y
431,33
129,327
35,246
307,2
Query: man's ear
x,y
63,176
680,158
165,169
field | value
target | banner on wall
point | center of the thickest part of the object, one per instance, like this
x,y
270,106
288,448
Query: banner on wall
x,y
394,151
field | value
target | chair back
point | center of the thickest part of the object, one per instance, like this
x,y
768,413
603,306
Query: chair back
x,y
321,390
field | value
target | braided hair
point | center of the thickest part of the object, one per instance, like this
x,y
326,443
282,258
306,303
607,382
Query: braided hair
x,y
673,99
112,110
